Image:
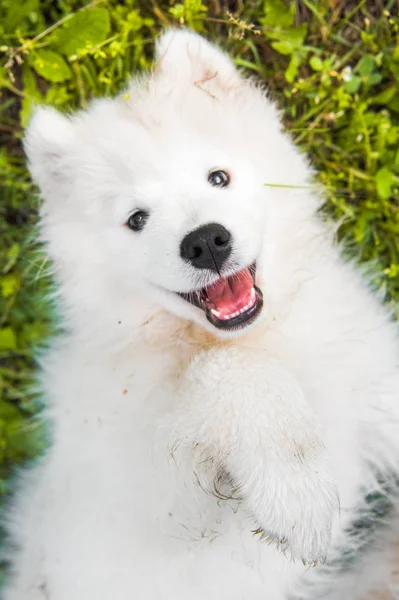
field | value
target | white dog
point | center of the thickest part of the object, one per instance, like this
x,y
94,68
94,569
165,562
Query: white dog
x,y
224,378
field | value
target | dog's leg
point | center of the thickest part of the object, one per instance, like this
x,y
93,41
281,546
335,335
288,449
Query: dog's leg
x,y
250,416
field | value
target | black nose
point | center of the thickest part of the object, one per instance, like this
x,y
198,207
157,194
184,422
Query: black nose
x,y
207,247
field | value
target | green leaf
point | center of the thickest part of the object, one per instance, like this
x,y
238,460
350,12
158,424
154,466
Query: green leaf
x,y
191,12
51,66
316,63
17,13
26,111
373,79
9,284
295,35
366,65
289,40
384,180
12,257
293,67
352,85
32,95
8,411
87,28
278,14
8,340
343,98
58,96
385,96
394,103
392,136
283,47
393,271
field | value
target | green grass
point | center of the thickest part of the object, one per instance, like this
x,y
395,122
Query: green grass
x,y
332,66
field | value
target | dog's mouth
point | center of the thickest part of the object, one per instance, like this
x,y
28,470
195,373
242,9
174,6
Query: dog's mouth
x,y
230,303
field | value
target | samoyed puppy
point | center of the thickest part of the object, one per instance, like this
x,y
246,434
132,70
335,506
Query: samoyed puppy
x,y
224,399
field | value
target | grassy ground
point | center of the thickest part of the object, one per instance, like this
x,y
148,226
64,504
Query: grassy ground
x,y
332,65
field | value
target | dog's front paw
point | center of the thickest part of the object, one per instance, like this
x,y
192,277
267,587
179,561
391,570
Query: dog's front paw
x,y
296,512
251,416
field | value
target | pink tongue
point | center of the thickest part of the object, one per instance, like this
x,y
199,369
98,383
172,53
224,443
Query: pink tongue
x,y
231,294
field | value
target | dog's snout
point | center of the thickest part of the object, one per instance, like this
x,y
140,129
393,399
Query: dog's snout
x,y
207,247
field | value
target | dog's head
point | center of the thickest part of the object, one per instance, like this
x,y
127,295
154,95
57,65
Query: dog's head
x,y
158,196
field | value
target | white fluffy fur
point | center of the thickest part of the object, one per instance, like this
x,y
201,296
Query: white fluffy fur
x,y
172,443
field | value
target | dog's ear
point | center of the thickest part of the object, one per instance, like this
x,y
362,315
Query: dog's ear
x,y
186,57
49,143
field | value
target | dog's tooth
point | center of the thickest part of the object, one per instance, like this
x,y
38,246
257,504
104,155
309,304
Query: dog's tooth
x,y
215,312
252,299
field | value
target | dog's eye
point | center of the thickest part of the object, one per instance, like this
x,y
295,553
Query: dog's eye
x,y
219,178
137,220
